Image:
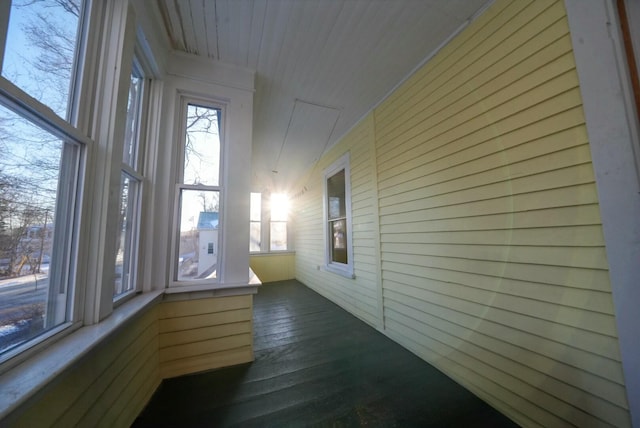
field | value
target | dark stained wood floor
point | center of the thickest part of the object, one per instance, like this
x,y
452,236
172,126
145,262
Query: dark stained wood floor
x,y
317,365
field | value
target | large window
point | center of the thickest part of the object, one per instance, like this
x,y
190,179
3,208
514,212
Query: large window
x,y
337,217
130,189
198,195
39,167
278,224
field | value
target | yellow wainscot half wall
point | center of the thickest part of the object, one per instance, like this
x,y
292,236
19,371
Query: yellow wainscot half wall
x,y
270,267
477,234
176,334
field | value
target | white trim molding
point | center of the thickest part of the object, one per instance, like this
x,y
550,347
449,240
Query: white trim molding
x,y
612,129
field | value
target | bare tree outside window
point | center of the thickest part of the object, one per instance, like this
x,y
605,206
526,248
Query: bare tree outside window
x,y
39,58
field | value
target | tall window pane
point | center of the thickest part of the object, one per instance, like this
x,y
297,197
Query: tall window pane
x,y
337,217
130,187
127,234
199,226
36,207
134,106
199,196
254,222
279,217
41,48
202,146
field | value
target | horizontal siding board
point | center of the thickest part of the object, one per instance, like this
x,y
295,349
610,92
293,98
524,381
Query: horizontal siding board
x,y
487,381
168,325
474,358
586,320
564,276
584,194
485,349
559,178
596,353
491,162
445,94
438,72
203,306
171,353
585,257
596,301
199,363
543,355
468,149
567,236
203,333
588,214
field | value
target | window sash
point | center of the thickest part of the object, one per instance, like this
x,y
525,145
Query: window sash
x,y
338,218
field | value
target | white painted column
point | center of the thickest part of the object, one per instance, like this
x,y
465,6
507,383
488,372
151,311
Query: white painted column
x,y
613,137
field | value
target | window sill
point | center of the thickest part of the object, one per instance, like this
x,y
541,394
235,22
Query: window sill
x,y
347,273
196,291
26,379
272,253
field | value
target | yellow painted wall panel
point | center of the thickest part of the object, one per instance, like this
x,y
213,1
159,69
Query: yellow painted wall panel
x,y
106,372
199,321
480,231
203,306
209,346
203,333
273,267
200,363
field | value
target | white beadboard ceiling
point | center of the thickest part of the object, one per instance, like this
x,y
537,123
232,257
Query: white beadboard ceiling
x,y
320,65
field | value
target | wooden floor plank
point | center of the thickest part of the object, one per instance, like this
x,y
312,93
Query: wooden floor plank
x,y
317,365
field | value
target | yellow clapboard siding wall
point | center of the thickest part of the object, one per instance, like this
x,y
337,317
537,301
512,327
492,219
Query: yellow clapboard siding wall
x,y
270,267
109,387
204,334
475,216
360,295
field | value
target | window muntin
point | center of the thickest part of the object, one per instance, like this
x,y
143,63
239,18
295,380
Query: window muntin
x,y
41,48
278,224
38,176
337,218
198,195
255,217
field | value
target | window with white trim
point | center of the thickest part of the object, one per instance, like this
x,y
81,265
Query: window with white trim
x,y
198,194
40,167
127,237
337,218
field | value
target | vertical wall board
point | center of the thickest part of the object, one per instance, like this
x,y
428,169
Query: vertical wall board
x,y
481,235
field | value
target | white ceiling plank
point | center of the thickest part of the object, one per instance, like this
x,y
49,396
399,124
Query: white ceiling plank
x,y
172,19
199,25
345,55
258,16
184,12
